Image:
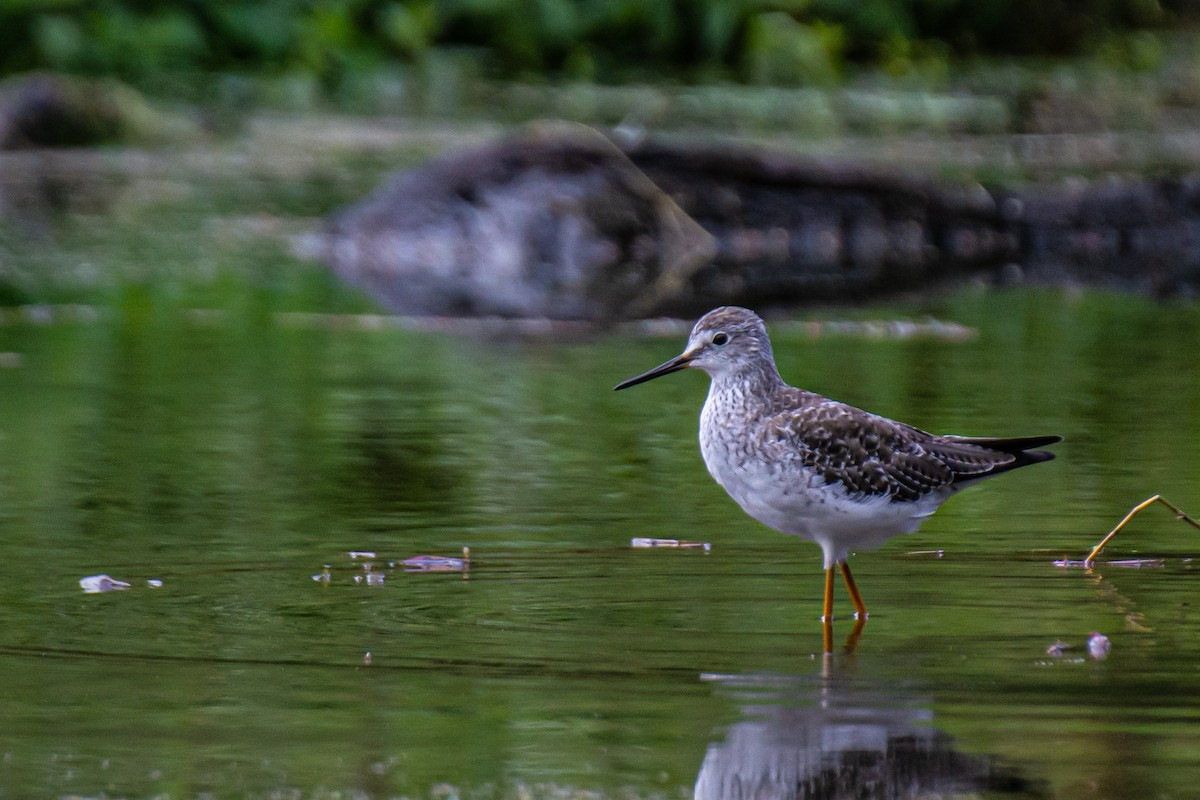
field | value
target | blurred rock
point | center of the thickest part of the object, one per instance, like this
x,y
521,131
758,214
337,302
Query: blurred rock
x,y
554,222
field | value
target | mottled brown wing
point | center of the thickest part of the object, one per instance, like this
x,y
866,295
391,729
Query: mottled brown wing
x,y
873,455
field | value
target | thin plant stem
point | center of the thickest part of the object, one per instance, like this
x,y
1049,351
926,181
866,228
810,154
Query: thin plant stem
x,y
1179,514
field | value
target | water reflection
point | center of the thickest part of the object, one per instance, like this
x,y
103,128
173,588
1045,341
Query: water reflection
x,y
833,736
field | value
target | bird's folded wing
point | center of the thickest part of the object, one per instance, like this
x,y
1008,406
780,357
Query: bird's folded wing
x,y
873,455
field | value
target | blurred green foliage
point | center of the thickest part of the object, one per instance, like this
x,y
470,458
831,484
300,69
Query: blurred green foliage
x,y
765,41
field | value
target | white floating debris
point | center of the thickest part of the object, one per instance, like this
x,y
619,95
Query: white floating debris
x,y
154,583
934,553
1057,649
1124,563
648,541
360,554
375,578
367,659
438,563
1098,645
324,576
1139,563
95,584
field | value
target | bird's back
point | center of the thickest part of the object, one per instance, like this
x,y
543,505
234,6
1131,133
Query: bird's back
x,y
872,455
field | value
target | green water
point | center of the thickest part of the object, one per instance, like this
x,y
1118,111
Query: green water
x,y
232,454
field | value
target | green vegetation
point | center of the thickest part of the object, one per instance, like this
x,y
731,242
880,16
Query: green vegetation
x,y
775,41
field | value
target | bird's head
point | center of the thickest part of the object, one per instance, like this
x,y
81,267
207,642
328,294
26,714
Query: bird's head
x,y
725,341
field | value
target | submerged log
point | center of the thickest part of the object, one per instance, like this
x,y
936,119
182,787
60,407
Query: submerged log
x,y
560,222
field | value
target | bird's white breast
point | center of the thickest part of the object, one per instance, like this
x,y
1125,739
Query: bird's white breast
x,y
782,493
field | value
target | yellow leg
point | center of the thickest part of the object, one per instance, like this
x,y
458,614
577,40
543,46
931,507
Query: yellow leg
x,y
860,608
1087,562
827,613
827,609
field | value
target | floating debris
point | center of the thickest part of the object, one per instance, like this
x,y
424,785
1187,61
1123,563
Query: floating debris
x,y
1125,563
369,576
367,659
1056,661
1139,563
1179,514
646,541
934,553
1098,645
438,563
374,573
96,584
1057,649
154,583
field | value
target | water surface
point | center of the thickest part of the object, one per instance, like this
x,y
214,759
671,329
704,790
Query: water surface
x,y
184,429
233,459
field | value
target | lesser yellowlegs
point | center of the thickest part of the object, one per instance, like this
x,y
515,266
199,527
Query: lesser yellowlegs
x,y
816,468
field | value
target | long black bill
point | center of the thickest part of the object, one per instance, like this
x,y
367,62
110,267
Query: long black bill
x,y
674,365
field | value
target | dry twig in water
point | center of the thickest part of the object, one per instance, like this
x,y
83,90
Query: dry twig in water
x,y
1087,562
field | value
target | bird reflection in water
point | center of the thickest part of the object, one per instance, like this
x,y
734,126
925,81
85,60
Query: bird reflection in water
x,y
831,737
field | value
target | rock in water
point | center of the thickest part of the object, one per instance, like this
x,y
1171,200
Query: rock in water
x,y
554,222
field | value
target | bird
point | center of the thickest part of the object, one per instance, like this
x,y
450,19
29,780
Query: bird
x,y
817,468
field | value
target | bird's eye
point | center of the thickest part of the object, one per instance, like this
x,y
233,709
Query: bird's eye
x,y
720,338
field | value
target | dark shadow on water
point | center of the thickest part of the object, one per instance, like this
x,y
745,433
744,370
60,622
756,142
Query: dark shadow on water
x,y
832,736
